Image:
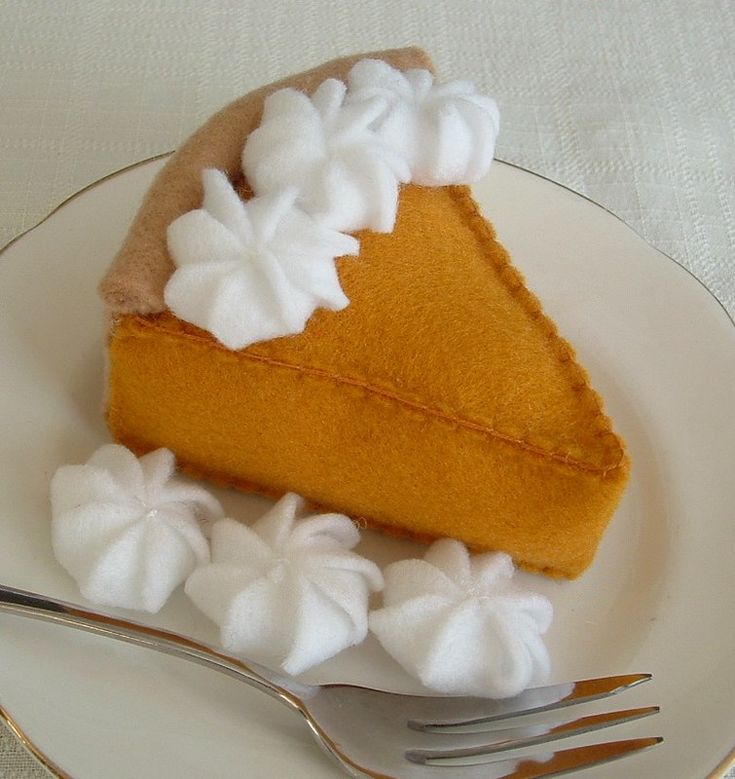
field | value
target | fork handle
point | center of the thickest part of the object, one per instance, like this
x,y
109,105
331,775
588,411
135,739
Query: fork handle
x,y
30,604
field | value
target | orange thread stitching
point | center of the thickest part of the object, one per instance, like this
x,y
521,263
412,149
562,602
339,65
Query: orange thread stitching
x,y
514,283
562,457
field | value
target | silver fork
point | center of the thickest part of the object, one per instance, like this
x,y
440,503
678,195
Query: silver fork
x,y
384,735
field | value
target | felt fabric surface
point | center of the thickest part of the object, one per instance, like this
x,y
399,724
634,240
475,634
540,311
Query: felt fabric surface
x,y
128,530
446,132
353,412
437,611
347,177
332,161
252,271
136,281
288,591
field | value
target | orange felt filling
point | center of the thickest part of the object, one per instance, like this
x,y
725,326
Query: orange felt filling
x,y
441,402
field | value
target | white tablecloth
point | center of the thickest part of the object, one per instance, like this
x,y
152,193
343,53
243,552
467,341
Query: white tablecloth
x,y
630,103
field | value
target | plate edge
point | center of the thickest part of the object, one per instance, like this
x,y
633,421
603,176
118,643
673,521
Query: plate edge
x,y
15,728
717,772
516,166
81,191
620,219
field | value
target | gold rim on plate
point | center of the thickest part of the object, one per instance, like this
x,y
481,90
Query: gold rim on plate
x,y
43,759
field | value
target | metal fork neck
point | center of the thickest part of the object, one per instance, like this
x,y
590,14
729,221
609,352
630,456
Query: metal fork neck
x,y
28,604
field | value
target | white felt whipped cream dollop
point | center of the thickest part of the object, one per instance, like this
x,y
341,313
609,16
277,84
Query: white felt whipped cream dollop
x,y
460,624
255,270
346,175
125,529
446,132
286,591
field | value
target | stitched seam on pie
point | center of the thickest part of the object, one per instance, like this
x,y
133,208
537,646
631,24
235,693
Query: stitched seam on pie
x,y
561,457
513,281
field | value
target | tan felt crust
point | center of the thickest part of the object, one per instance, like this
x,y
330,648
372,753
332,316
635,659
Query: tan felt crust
x,y
139,272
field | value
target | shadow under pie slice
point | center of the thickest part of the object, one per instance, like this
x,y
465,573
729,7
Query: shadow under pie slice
x,y
440,402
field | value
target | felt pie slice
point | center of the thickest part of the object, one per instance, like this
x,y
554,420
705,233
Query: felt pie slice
x,y
441,402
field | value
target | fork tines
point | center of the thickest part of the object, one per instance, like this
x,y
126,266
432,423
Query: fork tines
x,y
465,732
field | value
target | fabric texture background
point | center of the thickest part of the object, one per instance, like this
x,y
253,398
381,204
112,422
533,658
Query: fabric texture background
x,y
629,103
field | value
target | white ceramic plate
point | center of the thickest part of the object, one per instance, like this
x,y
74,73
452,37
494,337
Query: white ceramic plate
x,y
659,348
